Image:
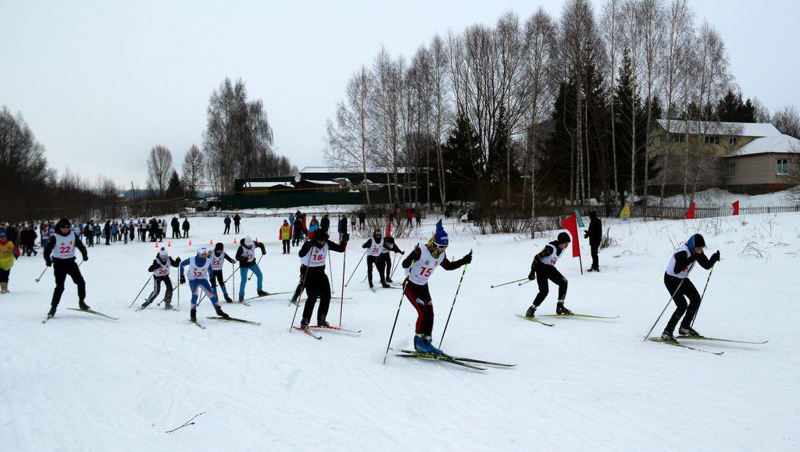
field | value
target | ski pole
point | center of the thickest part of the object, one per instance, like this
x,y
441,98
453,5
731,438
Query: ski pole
x,y
233,274
523,283
703,295
330,264
394,268
505,284
253,273
454,303
354,270
297,307
341,302
665,309
40,276
203,296
140,292
396,316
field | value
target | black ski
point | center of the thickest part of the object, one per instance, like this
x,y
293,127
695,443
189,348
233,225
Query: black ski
x,y
91,311
234,319
678,344
535,320
716,339
469,360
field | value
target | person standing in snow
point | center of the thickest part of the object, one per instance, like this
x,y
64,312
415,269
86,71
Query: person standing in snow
x,y
237,220
386,261
217,260
341,227
680,287
419,266
297,231
595,236
374,247
198,269
543,269
284,235
60,253
246,255
185,227
160,269
325,224
313,256
227,222
176,228
8,254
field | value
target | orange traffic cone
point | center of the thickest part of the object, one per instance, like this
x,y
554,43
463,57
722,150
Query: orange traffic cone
x,y
156,244
169,244
210,242
234,240
190,243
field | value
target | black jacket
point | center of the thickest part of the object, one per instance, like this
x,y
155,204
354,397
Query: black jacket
x,y
595,231
52,244
682,261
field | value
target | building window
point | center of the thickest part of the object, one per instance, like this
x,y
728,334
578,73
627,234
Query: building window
x,y
711,139
732,141
731,169
676,138
783,167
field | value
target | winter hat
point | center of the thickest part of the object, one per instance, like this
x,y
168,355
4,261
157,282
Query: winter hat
x,y
440,236
163,254
320,236
248,242
563,238
696,241
202,250
63,223
377,232
219,246
389,240
3,234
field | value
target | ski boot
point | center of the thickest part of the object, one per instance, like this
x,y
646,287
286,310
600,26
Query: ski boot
x,y
420,345
688,331
145,304
241,298
262,293
228,299
667,336
221,313
52,312
304,324
389,280
193,315
83,306
4,287
590,270
370,284
321,321
431,348
384,285
531,312
168,305
561,310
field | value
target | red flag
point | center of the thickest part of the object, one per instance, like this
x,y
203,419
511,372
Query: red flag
x,y
690,212
388,229
571,225
736,208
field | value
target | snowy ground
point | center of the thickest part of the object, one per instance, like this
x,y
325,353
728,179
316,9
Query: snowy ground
x,y
81,382
716,197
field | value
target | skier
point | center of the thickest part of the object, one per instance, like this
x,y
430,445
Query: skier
x,y
246,255
425,260
374,247
160,269
313,255
8,254
217,258
198,270
284,235
680,287
60,253
388,245
595,236
543,268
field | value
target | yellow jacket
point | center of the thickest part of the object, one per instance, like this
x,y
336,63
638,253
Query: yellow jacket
x,y
7,255
286,232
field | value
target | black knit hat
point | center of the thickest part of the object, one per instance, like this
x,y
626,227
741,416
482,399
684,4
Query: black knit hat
x,y
63,223
563,238
219,246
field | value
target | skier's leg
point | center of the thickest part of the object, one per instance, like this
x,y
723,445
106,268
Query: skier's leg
x,y
324,299
690,291
259,277
75,273
312,291
243,274
542,277
168,294
154,293
674,287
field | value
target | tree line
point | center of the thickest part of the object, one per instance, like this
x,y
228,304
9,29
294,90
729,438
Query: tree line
x,y
554,108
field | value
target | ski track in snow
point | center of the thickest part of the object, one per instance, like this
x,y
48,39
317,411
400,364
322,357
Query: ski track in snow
x,y
83,382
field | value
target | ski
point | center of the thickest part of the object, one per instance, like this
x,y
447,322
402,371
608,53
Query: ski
x,y
443,358
334,328
197,324
46,319
234,319
308,332
678,344
142,308
704,338
535,320
469,360
580,316
91,311
269,294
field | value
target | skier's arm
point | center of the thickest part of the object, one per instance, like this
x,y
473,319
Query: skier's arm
x,y
229,259
366,244
47,251
447,265
542,254
81,248
263,248
706,262
395,249
175,262
412,257
339,248
681,262
305,248
240,255
153,266
184,264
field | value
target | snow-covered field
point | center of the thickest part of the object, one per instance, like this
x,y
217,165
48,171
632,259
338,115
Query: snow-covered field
x,y
716,197
81,382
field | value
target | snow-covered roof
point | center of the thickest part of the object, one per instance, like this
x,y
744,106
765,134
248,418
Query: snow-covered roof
x,y
322,182
268,184
333,169
777,144
742,129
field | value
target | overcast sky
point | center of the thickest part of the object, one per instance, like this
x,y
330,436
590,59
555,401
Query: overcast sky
x,y
101,82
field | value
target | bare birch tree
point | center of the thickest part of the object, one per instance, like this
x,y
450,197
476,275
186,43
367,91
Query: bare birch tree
x,y
610,33
193,169
159,169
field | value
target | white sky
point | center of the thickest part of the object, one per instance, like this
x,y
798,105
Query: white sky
x,y
101,82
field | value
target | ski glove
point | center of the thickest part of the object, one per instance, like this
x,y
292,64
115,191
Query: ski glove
x,y
183,279
715,258
532,275
48,263
586,234
467,259
86,258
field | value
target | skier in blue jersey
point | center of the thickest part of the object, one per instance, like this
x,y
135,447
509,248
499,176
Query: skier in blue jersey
x,y
198,269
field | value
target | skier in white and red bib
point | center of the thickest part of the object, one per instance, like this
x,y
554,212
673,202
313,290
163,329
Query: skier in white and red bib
x,y
374,248
425,260
218,258
60,252
160,268
543,269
